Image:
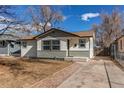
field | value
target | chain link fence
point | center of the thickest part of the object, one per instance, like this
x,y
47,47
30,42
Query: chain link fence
x,y
116,55
120,58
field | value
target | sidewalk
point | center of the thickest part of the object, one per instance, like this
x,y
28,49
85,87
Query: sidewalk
x,y
116,75
94,75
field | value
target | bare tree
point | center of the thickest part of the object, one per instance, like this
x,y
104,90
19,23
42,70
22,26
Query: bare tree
x,y
42,19
45,18
5,18
110,28
9,23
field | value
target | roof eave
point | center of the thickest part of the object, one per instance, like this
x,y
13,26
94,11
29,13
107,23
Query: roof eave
x,y
27,39
86,36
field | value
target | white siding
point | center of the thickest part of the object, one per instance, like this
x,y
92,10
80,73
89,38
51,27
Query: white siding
x,y
63,45
4,51
30,50
39,46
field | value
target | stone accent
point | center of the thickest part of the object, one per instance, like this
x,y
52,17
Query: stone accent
x,y
57,78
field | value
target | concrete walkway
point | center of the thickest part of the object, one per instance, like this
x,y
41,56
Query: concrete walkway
x,y
116,74
98,73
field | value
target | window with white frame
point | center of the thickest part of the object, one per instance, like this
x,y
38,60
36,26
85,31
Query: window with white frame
x,y
24,44
55,45
82,43
2,43
47,45
51,45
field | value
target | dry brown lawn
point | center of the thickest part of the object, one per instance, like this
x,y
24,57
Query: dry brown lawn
x,y
16,72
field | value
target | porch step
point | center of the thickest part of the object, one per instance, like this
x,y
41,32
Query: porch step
x,y
76,59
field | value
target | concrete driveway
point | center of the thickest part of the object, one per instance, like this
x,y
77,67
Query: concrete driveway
x,y
98,73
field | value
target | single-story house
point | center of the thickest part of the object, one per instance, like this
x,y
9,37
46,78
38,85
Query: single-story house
x,y
56,43
9,44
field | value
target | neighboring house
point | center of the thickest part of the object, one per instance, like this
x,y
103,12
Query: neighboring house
x,y
9,44
120,42
28,47
56,43
117,49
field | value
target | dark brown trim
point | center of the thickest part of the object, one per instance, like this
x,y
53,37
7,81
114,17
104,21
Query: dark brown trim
x,y
85,36
26,39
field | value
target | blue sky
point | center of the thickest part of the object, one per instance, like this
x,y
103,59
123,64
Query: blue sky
x,y
77,17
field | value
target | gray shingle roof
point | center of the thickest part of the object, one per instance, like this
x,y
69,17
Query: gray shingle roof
x,y
8,37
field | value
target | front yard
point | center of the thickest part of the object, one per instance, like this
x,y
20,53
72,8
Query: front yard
x,y
25,72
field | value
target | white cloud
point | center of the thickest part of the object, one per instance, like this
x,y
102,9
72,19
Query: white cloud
x,y
49,24
87,16
64,18
5,19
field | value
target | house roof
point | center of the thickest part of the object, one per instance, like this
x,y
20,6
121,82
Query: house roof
x,y
84,33
77,34
8,37
54,29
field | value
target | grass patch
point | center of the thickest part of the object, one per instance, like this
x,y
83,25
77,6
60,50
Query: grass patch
x,y
23,72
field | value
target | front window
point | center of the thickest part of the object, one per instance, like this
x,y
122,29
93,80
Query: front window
x,y
47,45
51,45
2,44
82,43
55,45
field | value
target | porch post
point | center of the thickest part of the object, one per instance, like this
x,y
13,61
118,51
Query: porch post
x,y
68,43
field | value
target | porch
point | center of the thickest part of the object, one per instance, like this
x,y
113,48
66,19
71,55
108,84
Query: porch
x,y
9,44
